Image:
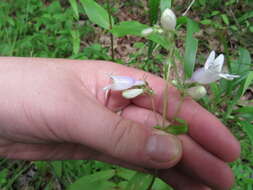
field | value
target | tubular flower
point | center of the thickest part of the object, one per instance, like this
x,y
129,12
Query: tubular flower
x,y
168,19
212,70
120,83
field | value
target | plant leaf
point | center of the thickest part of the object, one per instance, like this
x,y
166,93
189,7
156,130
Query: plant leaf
x,y
75,41
96,13
248,81
135,28
164,4
74,6
139,181
191,46
98,180
248,129
153,11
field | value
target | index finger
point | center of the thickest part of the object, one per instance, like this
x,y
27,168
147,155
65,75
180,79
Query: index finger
x,y
204,127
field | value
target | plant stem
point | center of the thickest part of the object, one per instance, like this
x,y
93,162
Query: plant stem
x,y
110,26
153,109
165,92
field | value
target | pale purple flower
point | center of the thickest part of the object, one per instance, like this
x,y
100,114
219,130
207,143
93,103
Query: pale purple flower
x,y
212,70
120,83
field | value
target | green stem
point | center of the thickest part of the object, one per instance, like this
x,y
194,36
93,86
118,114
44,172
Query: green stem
x,y
153,109
166,89
110,26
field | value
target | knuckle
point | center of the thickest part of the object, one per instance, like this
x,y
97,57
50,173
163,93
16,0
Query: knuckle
x,y
122,131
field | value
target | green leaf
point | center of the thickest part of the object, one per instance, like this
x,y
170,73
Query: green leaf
x,y
248,129
128,28
245,112
75,41
74,7
246,16
191,46
139,181
164,4
244,62
57,165
98,180
180,128
225,19
96,13
248,81
153,11
135,28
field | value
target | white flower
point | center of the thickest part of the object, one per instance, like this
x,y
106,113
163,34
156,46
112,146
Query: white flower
x,y
122,83
147,31
168,19
196,92
212,70
132,93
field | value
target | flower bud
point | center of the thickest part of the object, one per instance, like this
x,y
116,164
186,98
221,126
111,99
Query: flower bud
x,y
197,92
132,93
147,31
168,19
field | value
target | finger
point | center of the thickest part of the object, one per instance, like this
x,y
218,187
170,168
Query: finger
x,y
181,181
120,138
52,151
195,161
204,128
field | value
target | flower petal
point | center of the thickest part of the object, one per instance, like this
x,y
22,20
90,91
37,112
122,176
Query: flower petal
x,y
122,82
139,83
203,76
132,93
108,87
218,63
210,60
228,76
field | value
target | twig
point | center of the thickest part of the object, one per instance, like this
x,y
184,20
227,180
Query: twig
x,y
188,8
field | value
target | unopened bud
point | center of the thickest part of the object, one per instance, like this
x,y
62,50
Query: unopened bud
x,y
168,19
147,31
132,93
197,92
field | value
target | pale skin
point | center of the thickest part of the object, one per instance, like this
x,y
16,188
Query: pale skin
x,y
55,109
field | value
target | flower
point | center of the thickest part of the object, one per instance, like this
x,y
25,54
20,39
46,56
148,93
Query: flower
x,y
147,31
132,93
196,92
120,83
212,70
168,19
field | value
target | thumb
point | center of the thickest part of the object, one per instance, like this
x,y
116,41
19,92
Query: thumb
x,y
126,140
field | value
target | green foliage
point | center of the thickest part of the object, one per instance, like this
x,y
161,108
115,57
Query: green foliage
x,y
99,179
153,11
191,47
66,30
96,13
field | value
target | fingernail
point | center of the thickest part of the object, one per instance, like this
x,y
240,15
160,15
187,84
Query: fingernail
x,y
163,148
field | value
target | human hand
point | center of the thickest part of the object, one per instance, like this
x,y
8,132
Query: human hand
x,y
54,109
